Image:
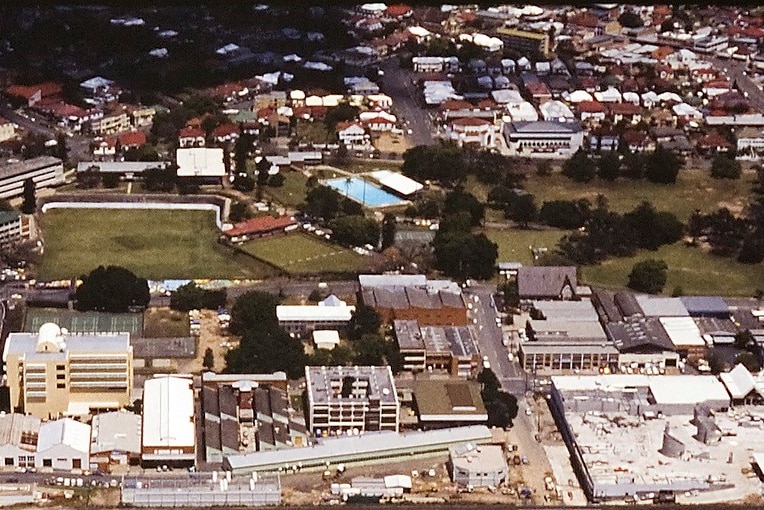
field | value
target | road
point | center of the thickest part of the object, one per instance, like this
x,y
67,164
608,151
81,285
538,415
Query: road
x,y
397,84
737,71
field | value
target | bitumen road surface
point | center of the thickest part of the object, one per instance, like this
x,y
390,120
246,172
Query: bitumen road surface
x,y
397,84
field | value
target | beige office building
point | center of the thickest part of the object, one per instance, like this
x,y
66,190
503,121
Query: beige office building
x,y
54,373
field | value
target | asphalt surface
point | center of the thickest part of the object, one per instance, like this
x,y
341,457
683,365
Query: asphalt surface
x,y
398,85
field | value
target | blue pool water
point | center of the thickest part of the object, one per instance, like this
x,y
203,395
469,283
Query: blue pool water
x,y
363,192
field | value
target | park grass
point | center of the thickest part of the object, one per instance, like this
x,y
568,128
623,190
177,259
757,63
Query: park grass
x,y
514,243
694,189
154,244
302,253
292,193
690,268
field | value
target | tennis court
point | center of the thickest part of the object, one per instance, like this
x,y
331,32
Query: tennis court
x,y
85,322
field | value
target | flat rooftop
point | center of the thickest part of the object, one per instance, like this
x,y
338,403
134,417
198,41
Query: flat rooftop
x,y
335,384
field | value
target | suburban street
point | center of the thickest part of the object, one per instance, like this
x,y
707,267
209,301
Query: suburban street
x,y
397,84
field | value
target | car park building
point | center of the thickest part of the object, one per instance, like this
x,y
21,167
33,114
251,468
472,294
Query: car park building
x,y
351,400
54,373
45,171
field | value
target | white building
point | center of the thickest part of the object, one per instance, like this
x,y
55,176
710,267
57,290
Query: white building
x,y
471,131
45,171
543,139
750,143
168,435
351,400
478,465
200,162
18,439
63,444
301,319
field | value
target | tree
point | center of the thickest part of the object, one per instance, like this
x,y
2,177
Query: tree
x,y
724,167
29,204
111,180
266,349
253,310
340,113
62,150
209,359
364,320
631,19
579,167
565,214
653,229
662,166
544,168
241,150
500,196
159,179
443,163
463,255
648,276
243,183
89,178
522,209
370,350
322,202
459,200
388,230
752,249
725,232
276,180
489,384
609,166
262,166
634,165
192,297
112,289
355,230
240,211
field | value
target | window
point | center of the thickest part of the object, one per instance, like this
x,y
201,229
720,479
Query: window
x,y
60,376
61,367
47,462
9,461
76,463
61,385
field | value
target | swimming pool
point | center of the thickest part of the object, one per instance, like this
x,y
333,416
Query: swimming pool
x,y
364,192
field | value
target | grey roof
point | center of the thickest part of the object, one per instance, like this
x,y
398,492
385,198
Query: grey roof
x,y
324,384
399,280
408,335
29,165
543,127
368,446
26,344
121,166
640,335
657,306
705,305
116,431
627,304
8,216
544,281
604,301
457,340
546,330
410,297
569,348
449,397
19,430
567,310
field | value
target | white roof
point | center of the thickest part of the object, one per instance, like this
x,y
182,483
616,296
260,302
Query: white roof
x,y
326,337
739,381
314,313
555,110
650,97
683,109
682,331
397,182
419,31
610,382
296,94
522,112
660,306
65,431
200,162
168,412
631,97
578,96
611,95
95,82
669,96
504,96
687,389
391,280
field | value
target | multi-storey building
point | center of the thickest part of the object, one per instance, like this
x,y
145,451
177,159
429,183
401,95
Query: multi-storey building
x,y
111,124
525,42
44,171
351,399
54,373
13,228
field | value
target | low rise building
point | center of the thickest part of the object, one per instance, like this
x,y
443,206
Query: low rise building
x,y
543,139
63,444
478,465
13,228
442,348
258,227
445,403
19,435
351,399
168,436
301,320
547,282
115,440
200,162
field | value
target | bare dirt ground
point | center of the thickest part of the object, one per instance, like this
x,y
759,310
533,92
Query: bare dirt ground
x,y
387,143
211,336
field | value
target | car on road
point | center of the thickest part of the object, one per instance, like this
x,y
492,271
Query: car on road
x,y
510,356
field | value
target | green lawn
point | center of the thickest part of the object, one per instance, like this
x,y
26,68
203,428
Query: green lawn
x,y
305,253
154,244
694,189
688,267
292,193
514,243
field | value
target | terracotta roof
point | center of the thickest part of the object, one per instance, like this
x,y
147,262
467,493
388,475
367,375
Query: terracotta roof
x,y
487,104
662,52
341,126
625,109
191,132
584,20
132,138
47,89
591,107
61,110
538,89
377,120
225,130
713,139
633,137
398,10
455,104
471,121
260,225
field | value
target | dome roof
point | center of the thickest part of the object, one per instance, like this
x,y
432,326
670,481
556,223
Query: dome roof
x,y
50,338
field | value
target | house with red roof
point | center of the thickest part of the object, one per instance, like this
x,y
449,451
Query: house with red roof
x,y
191,137
352,133
105,148
256,228
713,143
471,131
539,91
638,141
42,93
131,139
628,112
591,110
226,132
399,11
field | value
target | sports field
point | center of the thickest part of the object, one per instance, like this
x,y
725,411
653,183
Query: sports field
x,y
305,253
85,322
154,244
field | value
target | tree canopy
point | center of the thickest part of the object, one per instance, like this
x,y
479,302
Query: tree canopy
x,y
192,297
459,200
29,203
723,167
253,310
355,230
443,163
662,166
648,276
265,350
112,289
579,167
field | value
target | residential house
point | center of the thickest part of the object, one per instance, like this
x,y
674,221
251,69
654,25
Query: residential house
x,y
104,148
638,141
352,134
592,111
750,143
713,143
378,121
131,140
626,112
226,132
63,444
191,137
